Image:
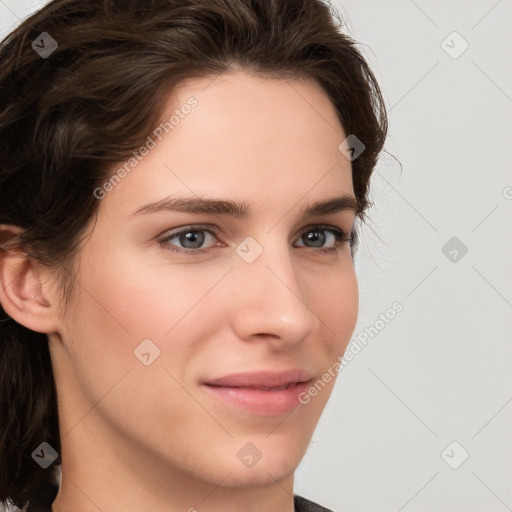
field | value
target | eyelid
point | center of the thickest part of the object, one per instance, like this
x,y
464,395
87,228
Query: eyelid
x,y
327,227
215,230
211,228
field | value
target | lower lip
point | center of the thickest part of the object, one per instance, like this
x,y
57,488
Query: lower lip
x,y
263,403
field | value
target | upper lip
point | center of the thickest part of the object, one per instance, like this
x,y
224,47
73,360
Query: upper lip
x,y
265,378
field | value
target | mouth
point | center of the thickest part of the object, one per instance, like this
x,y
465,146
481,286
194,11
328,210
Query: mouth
x,y
261,393
269,379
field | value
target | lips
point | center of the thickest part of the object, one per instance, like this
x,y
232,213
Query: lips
x,y
262,380
262,393
260,388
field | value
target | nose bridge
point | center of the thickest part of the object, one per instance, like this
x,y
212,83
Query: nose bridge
x,y
271,300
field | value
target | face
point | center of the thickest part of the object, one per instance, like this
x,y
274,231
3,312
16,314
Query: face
x,y
189,316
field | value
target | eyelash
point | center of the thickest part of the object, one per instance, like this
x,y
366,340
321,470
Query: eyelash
x,y
341,238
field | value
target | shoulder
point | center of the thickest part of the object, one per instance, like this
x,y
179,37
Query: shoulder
x,y
304,505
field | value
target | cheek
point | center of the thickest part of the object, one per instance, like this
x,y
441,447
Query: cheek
x,y
336,300
121,304
128,299
139,298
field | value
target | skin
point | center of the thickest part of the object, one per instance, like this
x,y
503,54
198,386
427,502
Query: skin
x,y
138,437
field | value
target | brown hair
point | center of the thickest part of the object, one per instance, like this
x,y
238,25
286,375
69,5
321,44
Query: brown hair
x,y
67,117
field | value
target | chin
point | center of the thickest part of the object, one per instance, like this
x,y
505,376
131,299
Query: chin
x,y
275,465
259,476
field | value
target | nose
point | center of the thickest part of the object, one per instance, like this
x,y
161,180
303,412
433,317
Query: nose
x,y
271,302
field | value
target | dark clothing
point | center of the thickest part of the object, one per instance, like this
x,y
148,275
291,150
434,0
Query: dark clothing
x,y
304,505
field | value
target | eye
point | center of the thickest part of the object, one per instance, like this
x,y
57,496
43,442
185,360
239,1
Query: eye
x,y
324,237
190,240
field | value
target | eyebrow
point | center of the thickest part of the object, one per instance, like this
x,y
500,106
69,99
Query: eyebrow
x,y
344,202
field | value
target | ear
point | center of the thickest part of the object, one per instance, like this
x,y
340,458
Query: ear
x,y
24,294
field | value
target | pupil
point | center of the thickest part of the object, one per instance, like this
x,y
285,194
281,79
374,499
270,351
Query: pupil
x,y
192,239
317,238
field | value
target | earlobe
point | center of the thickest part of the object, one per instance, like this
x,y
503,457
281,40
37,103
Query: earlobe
x,y
21,292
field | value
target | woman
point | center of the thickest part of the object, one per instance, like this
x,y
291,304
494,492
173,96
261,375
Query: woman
x,y
180,186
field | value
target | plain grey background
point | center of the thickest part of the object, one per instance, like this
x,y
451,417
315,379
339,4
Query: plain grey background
x,y
420,419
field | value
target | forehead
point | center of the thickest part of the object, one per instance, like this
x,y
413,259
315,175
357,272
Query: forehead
x,y
237,136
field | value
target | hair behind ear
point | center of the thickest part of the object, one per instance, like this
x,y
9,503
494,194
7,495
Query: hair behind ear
x,y
28,416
